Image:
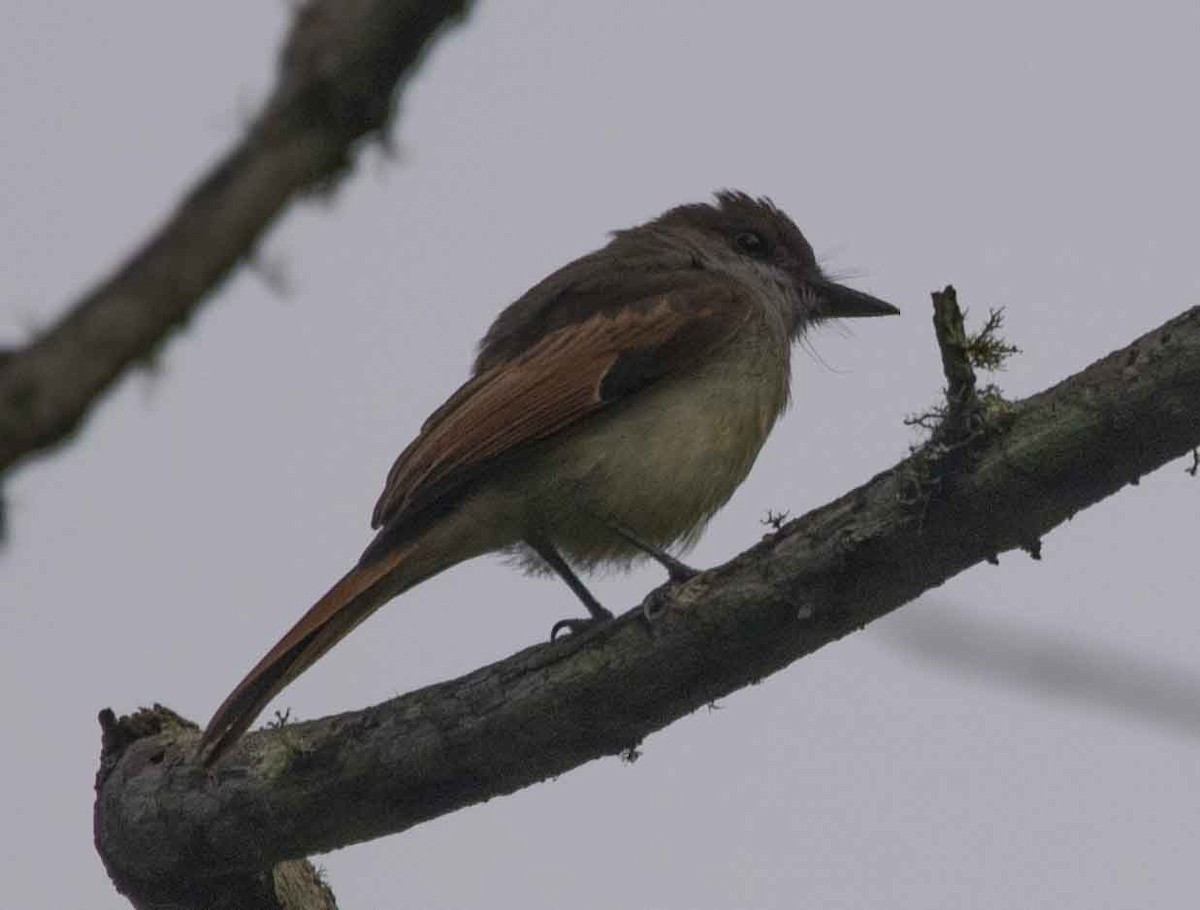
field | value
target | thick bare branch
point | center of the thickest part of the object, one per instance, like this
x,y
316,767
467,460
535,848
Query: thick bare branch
x,y
337,78
310,787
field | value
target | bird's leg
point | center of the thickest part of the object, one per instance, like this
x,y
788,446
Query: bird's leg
x,y
554,560
677,571
655,604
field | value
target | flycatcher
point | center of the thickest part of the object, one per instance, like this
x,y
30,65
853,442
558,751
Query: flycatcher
x,y
611,411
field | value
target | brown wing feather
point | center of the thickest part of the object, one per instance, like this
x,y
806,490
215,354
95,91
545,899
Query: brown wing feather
x,y
568,374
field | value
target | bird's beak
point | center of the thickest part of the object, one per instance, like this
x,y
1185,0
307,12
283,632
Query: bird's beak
x,y
840,302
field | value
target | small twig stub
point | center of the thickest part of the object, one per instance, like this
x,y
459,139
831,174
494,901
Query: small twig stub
x,y
956,365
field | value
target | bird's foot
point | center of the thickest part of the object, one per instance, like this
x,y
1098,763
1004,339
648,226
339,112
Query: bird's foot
x,y
654,606
578,626
658,601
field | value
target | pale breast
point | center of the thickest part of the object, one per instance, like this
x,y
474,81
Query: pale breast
x,y
662,463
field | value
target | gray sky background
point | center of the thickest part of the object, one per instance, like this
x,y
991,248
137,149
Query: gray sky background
x,y
1027,737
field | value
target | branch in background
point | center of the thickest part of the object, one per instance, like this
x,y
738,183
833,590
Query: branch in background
x,y
164,823
1070,668
338,74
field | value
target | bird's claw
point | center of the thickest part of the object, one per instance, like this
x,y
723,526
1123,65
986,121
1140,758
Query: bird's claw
x,y
655,605
577,626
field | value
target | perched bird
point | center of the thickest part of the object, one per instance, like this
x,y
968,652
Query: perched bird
x,y
611,411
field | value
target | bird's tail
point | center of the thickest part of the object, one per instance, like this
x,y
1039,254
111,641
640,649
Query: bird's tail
x,y
359,593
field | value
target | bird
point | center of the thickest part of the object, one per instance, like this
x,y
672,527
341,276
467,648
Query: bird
x,y
610,412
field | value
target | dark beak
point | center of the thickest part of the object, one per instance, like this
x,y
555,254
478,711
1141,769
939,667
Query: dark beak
x,y
840,302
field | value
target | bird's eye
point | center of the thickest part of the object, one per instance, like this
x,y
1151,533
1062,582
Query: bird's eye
x,y
751,243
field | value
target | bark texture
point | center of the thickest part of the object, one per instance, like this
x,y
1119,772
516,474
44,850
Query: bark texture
x,y
165,826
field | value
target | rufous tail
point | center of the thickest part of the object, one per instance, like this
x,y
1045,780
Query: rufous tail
x,y
359,593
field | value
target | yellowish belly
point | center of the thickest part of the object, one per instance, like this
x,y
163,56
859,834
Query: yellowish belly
x,y
661,464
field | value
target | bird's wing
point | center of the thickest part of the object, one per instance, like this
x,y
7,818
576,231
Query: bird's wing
x,y
571,373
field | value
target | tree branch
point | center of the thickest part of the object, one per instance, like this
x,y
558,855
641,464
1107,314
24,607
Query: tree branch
x,y
338,74
163,823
